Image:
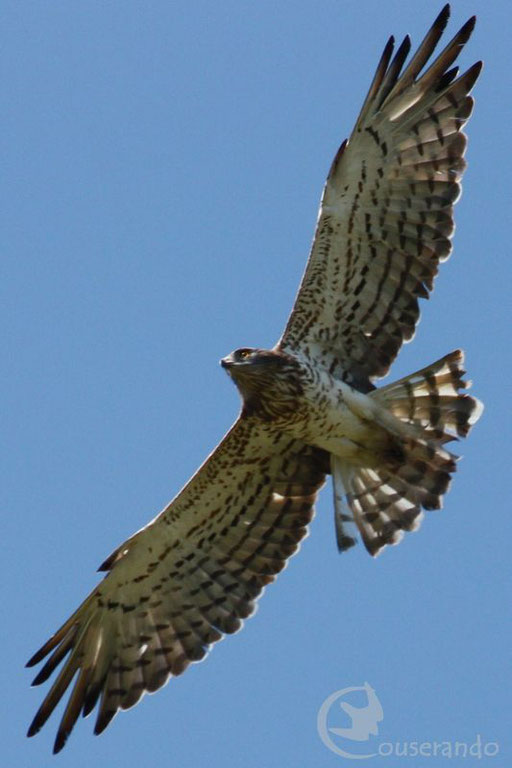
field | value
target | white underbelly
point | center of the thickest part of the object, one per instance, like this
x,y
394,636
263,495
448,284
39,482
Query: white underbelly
x,y
337,418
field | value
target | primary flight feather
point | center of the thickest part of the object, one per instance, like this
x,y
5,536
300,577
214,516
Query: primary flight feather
x,y
309,408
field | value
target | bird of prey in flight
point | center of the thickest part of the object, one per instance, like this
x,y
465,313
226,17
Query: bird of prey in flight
x,y
310,408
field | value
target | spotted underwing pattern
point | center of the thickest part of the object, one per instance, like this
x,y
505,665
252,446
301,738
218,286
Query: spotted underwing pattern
x,y
310,407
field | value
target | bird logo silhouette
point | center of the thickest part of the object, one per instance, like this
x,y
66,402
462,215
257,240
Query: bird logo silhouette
x,y
364,719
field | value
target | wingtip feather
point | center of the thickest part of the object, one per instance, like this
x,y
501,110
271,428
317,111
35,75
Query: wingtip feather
x,y
60,742
443,16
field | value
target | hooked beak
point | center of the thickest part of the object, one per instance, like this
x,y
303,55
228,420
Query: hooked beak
x,y
227,362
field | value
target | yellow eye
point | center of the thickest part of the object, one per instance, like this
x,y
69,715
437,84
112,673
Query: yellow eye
x,y
244,354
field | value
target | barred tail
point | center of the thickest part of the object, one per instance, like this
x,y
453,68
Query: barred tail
x,y
428,411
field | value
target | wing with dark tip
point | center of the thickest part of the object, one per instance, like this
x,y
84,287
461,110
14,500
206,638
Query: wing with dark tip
x,y
191,576
386,215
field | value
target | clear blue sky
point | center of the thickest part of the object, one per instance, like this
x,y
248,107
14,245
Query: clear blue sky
x,y
162,168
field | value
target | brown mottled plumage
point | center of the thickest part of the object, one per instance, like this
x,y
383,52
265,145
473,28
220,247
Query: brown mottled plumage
x,y
310,408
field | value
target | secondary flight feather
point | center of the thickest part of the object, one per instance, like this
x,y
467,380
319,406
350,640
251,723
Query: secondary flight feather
x,y
309,408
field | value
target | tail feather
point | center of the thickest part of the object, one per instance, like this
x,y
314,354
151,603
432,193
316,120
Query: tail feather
x,y
383,501
430,398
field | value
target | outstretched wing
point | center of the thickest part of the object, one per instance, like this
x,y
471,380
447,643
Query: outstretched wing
x,y
190,576
386,215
